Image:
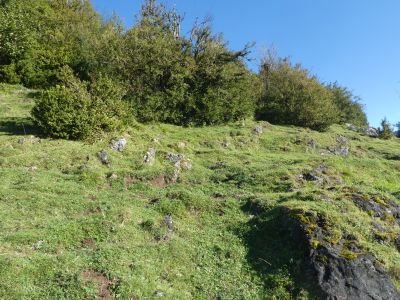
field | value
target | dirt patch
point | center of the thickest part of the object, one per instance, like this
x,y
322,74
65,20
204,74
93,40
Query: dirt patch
x,y
89,244
102,282
128,181
159,182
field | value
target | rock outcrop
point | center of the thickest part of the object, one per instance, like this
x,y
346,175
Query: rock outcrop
x,y
341,270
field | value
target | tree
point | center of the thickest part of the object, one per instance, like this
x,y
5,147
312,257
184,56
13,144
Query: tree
x,y
292,96
386,131
349,107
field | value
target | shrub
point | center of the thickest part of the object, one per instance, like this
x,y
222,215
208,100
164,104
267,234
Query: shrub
x,y
292,96
349,107
72,111
180,80
386,131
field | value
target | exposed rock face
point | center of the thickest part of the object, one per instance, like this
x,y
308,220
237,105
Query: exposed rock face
x,y
359,278
150,156
371,132
378,208
341,270
119,145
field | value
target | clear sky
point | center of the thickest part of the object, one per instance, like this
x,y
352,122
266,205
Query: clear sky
x,y
354,42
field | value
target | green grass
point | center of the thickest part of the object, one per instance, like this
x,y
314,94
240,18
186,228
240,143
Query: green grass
x,y
228,241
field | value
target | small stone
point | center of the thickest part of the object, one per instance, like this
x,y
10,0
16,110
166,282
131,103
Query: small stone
x,y
397,243
184,164
113,176
351,127
103,156
312,143
258,129
21,141
168,222
339,150
33,168
159,294
225,144
181,145
342,139
119,145
37,245
172,157
150,156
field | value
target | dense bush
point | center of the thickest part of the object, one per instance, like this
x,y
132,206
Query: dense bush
x,y
72,111
179,80
38,38
350,109
292,96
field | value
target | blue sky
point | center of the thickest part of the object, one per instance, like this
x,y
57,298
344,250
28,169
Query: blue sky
x,y
354,42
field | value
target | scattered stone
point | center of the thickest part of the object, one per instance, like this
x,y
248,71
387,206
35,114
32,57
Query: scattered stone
x,y
342,139
172,157
172,178
371,132
37,245
341,270
157,139
311,176
150,156
225,144
21,141
112,176
351,127
339,150
258,129
119,145
184,164
377,208
159,294
168,222
397,243
33,168
313,144
180,161
103,156
181,145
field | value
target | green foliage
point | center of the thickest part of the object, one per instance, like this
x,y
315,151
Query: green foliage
x,y
292,96
72,111
38,38
349,107
180,80
386,131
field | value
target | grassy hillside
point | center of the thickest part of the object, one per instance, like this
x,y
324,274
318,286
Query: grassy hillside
x,y
74,228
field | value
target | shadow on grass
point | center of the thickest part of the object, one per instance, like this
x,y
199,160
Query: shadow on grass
x,y
18,126
276,256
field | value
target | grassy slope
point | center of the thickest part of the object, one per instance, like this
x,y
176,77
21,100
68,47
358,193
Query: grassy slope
x,y
220,248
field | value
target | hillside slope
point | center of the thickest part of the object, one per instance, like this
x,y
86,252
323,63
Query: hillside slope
x,y
243,214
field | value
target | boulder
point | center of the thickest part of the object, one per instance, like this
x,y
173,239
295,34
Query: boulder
x,y
341,270
103,156
258,129
371,132
150,156
119,145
